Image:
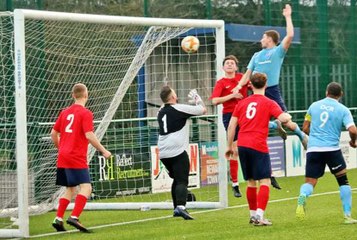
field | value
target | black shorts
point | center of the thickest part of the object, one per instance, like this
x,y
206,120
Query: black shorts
x,y
178,167
255,165
274,94
317,161
71,177
226,118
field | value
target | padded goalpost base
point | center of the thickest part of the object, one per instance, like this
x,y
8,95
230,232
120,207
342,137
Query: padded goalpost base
x,y
10,233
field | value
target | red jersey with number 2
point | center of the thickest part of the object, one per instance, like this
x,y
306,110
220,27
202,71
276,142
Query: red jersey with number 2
x,y
254,113
72,124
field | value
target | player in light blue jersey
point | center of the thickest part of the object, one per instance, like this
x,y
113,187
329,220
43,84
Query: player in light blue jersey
x,y
323,122
269,61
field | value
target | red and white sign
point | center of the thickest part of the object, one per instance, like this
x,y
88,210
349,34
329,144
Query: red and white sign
x,y
160,179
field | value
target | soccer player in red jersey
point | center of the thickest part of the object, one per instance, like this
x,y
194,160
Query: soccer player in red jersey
x,y
252,114
71,134
222,94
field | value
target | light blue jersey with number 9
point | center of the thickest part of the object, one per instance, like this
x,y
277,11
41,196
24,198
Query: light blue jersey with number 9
x,y
327,118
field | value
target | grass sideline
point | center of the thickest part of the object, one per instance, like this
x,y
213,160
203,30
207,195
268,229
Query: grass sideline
x,y
324,218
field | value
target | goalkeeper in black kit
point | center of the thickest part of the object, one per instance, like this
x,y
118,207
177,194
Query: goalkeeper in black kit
x,y
173,143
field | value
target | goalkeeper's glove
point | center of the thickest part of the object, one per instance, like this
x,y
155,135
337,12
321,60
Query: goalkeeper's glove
x,y
191,96
194,97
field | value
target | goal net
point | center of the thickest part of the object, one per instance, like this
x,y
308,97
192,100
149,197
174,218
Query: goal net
x,y
124,61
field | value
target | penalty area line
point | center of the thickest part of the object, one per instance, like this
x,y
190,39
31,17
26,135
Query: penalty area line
x,y
170,216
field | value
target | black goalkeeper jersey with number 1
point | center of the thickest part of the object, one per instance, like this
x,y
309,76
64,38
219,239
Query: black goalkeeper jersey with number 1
x,y
173,130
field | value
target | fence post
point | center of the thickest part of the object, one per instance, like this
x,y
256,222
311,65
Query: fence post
x,y
322,9
146,8
9,5
40,4
267,12
301,91
208,9
353,48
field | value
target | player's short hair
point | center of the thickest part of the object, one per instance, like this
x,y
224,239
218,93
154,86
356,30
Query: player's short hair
x,y
258,80
230,57
275,36
79,90
334,89
165,93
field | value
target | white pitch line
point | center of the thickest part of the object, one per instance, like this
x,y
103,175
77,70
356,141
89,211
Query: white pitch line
x,y
170,216
103,226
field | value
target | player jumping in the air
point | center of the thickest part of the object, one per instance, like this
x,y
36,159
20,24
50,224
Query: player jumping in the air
x,y
269,61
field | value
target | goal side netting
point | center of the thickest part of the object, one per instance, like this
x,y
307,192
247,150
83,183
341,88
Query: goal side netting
x,y
124,61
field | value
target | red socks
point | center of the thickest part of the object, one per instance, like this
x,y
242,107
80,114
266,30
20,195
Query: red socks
x,y
252,198
263,197
62,206
233,169
79,204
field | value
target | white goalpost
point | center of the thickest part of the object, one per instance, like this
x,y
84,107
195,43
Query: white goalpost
x,y
124,61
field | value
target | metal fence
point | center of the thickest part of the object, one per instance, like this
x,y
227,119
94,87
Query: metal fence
x,y
300,94
328,35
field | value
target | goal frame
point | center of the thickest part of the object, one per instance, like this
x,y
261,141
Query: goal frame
x,y
20,15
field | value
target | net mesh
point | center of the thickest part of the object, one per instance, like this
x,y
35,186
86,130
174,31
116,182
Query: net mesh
x,y
8,176
124,67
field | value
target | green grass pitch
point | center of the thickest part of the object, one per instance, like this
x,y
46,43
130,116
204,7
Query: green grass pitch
x,y
324,218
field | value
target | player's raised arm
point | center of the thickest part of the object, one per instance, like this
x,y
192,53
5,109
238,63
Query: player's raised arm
x,y
289,27
244,80
196,99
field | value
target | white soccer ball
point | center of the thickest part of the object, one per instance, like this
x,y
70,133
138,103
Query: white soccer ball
x,y
190,44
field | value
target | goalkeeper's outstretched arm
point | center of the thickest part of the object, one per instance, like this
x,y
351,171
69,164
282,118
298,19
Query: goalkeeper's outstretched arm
x,y
196,99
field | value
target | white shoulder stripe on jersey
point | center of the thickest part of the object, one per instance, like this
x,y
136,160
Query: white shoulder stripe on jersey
x,y
189,109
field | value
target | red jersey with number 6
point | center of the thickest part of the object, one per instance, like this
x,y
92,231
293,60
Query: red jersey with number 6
x,y
254,113
72,124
